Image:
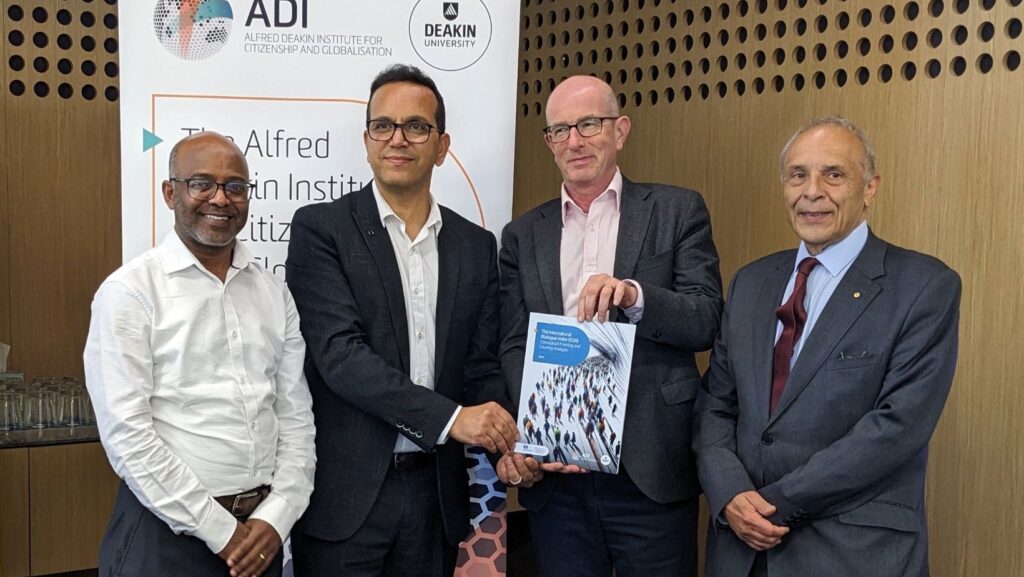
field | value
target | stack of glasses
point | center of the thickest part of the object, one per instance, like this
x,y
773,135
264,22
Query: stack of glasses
x,y
46,403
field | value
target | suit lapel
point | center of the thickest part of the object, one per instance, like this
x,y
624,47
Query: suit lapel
x,y
547,243
367,217
764,327
448,260
634,218
850,299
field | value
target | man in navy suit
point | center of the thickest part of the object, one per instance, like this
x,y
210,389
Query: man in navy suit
x,y
399,304
826,383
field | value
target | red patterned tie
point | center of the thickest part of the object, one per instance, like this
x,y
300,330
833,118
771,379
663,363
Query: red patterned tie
x,y
793,316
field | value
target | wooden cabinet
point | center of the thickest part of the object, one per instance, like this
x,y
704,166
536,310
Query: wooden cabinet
x,y
14,524
54,505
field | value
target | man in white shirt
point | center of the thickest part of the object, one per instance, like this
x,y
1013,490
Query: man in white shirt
x,y
194,365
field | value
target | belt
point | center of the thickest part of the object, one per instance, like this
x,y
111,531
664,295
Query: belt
x,y
243,504
411,461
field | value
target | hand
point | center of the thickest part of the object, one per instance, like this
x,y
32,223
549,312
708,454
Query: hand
x,y
488,425
241,531
600,293
746,514
518,471
256,551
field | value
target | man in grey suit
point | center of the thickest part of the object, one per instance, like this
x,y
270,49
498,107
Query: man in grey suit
x,y
399,303
826,383
611,249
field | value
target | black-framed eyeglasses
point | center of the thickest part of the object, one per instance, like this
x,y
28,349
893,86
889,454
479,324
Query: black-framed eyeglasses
x,y
587,127
205,188
415,131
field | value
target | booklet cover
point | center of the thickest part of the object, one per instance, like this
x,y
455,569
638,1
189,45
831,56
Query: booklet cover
x,y
573,398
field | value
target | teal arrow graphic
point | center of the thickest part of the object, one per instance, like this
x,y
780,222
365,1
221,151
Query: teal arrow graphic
x,y
149,140
210,9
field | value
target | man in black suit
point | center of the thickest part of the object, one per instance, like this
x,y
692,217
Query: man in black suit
x,y
826,383
612,249
398,298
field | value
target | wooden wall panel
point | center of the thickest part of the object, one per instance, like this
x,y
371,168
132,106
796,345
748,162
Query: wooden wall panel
x,y
72,495
62,178
950,154
5,282
14,521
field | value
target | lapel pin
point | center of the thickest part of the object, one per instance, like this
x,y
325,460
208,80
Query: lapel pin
x,y
370,232
856,294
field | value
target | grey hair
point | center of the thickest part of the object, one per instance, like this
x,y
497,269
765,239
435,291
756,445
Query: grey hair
x,y
869,164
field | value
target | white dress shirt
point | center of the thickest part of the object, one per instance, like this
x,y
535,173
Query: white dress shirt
x,y
198,389
418,267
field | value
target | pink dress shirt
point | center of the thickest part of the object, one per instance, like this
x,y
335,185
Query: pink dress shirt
x,y
588,246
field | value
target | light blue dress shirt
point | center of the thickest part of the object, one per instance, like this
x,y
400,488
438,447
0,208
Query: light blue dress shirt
x,y
822,282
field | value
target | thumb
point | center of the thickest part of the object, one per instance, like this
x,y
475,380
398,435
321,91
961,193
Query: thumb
x,y
764,508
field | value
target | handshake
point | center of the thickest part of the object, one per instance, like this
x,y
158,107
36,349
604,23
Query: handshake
x,y
490,426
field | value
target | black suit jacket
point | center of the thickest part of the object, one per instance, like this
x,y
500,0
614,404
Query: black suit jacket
x,y
843,455
343,274
664,243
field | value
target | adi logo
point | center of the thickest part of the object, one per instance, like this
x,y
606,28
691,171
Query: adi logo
x,y
192,29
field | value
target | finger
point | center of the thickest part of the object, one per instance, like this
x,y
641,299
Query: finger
x,y
581,306
505,472
498,440
585,308
532,464
250,561
762,544
620,291
510,422
264,548
508,438
604,298
765,529
522,470
486,442
507,427
763,507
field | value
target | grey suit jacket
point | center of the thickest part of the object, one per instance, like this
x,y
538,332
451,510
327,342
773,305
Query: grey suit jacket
x,y
345,279
843,456
664,243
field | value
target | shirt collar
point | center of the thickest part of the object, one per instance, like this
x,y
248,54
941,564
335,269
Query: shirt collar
x,y
433,218
613,191
835,258
177,257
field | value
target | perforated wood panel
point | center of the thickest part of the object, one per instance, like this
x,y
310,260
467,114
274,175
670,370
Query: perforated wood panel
x,y
60,176
716,88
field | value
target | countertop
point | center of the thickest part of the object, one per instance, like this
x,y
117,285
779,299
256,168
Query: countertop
x,y
44,437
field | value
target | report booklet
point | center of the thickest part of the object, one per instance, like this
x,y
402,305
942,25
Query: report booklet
x,y
573,398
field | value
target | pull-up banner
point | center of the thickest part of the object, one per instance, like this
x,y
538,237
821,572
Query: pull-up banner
x,y
288,81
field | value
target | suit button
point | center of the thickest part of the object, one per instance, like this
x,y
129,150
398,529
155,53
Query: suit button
x,y
656,334
767,439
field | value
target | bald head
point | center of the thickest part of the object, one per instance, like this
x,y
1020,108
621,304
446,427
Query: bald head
x,y
583,88
588,160
198,140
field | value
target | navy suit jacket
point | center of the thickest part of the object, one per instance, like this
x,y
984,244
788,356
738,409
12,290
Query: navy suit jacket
x,y
843,456
345,279
664,243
